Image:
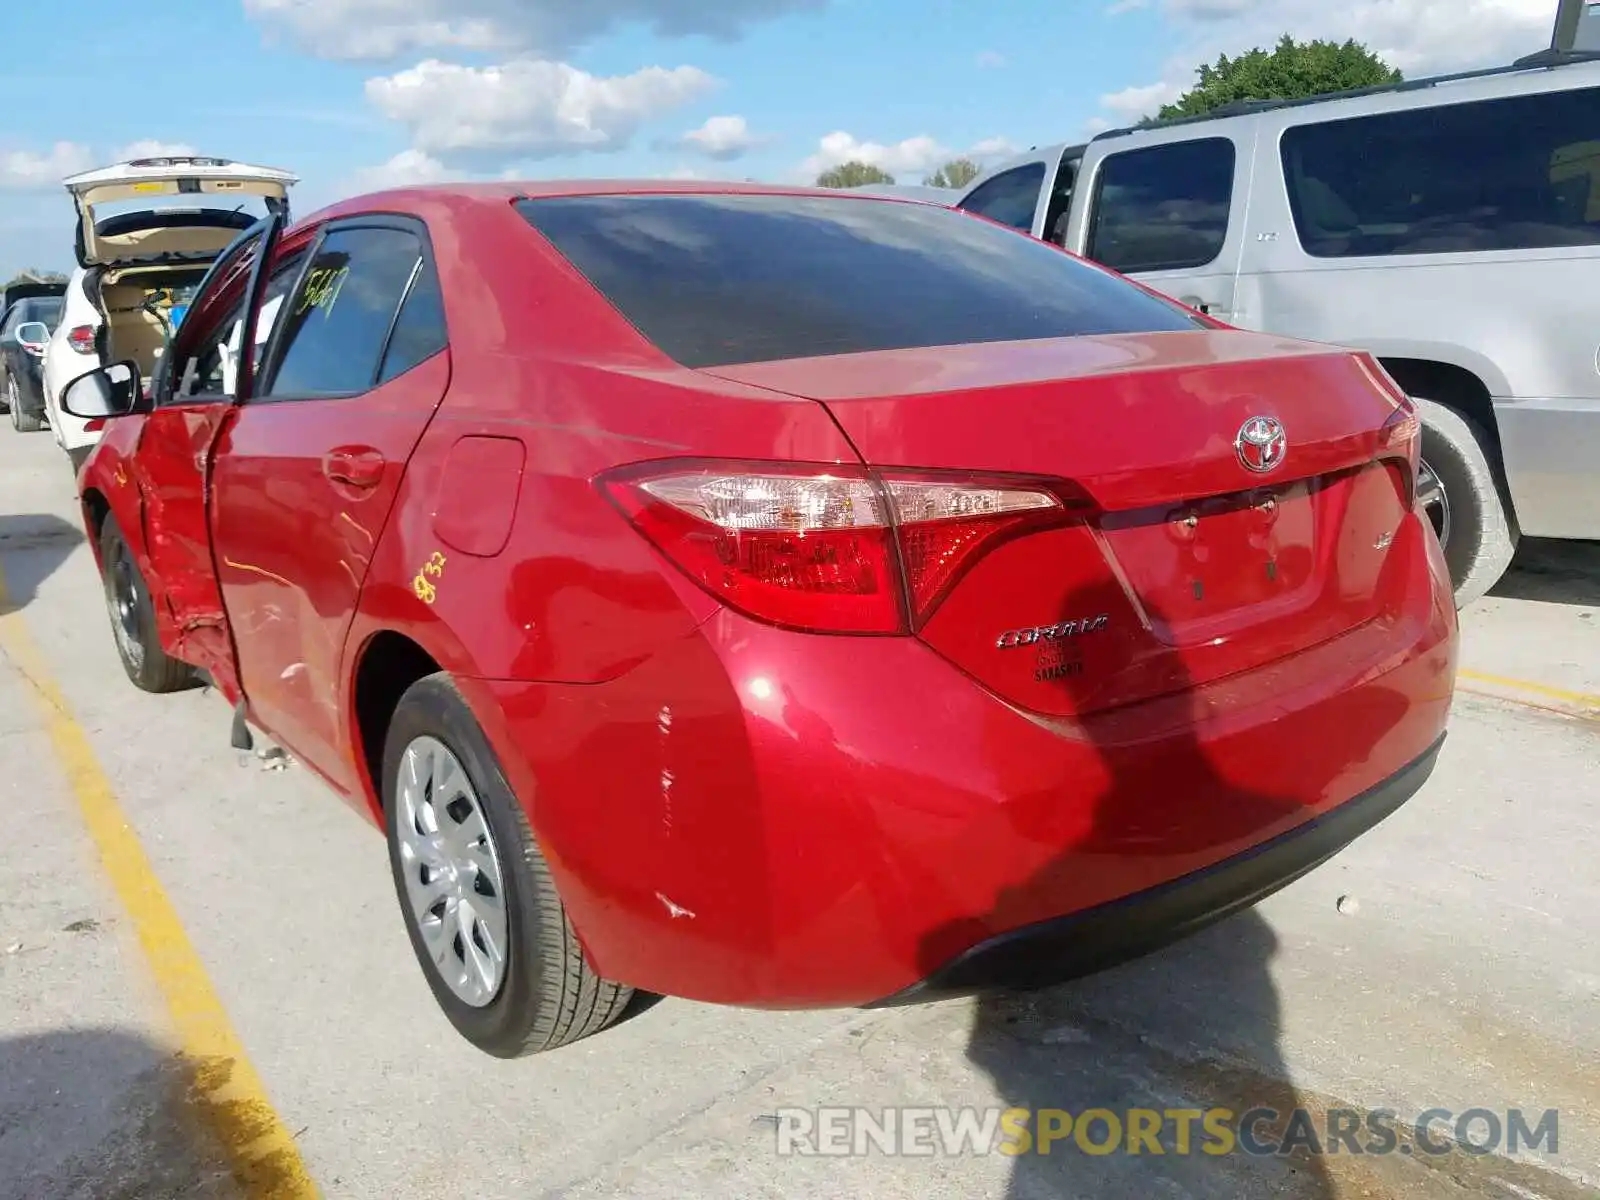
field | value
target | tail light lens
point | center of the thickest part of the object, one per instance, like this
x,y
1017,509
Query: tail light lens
x,y
81,338
1400,438
826,549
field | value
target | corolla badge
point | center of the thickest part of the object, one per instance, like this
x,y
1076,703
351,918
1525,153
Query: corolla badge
x,y
1261,444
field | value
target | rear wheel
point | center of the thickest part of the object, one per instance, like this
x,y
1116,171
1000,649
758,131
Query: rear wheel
x,y
481,910
133,619
1460,493
22,422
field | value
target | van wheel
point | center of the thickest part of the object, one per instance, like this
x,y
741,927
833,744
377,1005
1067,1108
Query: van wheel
x,y
479,906
133,619
1460,493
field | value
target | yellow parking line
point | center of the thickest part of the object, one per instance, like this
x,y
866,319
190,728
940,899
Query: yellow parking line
x,y
1578,700
226,1092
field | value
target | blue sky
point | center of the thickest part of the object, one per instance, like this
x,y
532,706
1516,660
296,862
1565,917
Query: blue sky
x,y
355,94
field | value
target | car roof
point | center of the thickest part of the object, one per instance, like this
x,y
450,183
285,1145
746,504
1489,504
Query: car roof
x,y
506,191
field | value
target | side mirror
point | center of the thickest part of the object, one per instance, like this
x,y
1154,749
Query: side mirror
x,y
112,391
33,335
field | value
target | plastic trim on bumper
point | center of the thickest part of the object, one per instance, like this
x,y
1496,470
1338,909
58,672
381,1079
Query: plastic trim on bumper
x,y
1066,948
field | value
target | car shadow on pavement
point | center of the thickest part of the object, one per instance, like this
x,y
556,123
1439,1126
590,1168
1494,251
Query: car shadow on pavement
x,y
1194,1026
1557,572
32,548
102,1114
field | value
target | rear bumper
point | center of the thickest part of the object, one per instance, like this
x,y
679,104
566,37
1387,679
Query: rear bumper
x,y
1051,952
759,817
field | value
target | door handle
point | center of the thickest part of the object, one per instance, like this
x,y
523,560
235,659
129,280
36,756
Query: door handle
x,y
354,466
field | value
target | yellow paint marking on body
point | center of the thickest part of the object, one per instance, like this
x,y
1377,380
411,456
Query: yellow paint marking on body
x,y
225,1090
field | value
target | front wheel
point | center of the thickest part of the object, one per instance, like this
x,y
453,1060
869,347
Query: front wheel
x,y
22,422
133,619
481,910
1460,493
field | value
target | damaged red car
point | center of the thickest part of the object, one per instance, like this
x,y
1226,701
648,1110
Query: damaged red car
x,y
772,597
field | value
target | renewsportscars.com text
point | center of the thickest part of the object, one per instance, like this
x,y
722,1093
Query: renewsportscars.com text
x,y
1152,1131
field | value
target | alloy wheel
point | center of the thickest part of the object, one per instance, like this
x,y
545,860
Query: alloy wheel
x,y
122,599
453,878
1435,501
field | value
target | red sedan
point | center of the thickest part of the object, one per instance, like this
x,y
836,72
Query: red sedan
x,y
773,597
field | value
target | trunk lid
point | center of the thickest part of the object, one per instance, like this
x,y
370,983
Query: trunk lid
x,y
145,236
1190,565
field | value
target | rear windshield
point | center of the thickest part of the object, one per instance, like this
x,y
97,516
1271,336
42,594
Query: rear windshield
x,y
717,280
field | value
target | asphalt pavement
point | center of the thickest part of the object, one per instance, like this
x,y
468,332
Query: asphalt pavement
x,y
205,988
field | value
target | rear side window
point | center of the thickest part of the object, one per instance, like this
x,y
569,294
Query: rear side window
x,y
1163,208
419,330
335,326
1518,173
1010,198
714,280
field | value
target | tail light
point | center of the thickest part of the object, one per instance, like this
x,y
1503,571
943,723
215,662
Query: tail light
x,y
81,338
1400,441
828,549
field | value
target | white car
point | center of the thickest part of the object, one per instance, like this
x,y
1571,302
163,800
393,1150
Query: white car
x,y
139,263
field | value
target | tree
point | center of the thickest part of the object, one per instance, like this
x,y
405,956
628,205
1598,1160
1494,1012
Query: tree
x,y
956,173
853,174
1292,71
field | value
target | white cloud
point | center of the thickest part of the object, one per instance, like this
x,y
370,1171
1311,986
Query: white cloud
x,y
527,108
992,148
1420,37
1417,36
913,156
921,153
405,169
991,58
25,170
1130,104
385,29
721,138
153,148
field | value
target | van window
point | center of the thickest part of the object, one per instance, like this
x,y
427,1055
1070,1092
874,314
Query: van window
x,y
1163,208
1009,198
1518,173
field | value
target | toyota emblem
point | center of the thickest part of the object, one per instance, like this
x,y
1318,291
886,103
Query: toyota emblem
x,y
1261,444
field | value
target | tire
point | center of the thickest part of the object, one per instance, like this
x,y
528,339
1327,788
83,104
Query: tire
x,y
21,421
1479,534
133,619
546,994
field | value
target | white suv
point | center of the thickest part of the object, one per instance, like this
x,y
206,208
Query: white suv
x,y
1451,226
139,263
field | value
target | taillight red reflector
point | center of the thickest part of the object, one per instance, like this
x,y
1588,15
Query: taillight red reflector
x,y
825,549
81,338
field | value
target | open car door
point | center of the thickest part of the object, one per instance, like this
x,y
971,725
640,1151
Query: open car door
x,y
178,233
211,367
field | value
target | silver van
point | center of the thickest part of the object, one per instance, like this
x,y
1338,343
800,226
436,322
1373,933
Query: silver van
x,y
1449,225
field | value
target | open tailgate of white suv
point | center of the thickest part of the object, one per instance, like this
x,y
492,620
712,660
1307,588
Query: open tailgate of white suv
x,y
149,178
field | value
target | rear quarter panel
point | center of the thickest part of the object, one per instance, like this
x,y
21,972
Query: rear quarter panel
x,y
568,592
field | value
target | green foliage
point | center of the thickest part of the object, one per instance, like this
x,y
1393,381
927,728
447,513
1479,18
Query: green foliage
x,y
956,173
853,174
1292,71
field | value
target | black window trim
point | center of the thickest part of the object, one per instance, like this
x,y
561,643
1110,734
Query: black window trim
x,y
1099,190
167,396
1039,164
272,356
